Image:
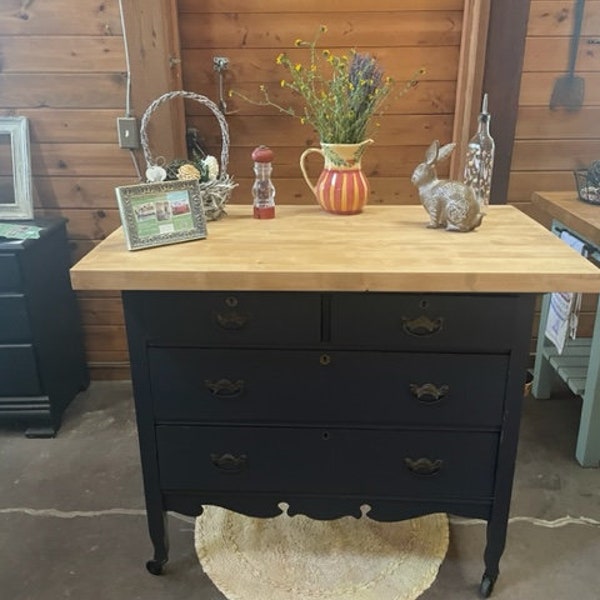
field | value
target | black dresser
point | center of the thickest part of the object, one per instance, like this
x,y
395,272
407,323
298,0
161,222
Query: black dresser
x,y
408,403
42,359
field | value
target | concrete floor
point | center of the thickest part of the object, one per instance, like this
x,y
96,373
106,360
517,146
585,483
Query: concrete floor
x,y
73,527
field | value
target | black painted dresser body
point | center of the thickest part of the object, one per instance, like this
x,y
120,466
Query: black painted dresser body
x,y
408,403
42,359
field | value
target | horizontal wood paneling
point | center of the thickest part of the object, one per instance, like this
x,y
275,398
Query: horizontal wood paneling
x,y
60,90
77,192
555,18
59,17
268,30
536,89
549,143
293,6
60,54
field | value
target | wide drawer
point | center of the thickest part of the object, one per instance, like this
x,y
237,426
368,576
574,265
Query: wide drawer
x,y
424,321
194,384
10,277
231,319
14,319
18,371
364,462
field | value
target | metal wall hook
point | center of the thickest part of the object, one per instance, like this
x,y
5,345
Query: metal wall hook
x,y
220,65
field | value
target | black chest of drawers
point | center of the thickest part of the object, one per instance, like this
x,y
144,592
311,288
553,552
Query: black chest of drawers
x,y
42,360
408,403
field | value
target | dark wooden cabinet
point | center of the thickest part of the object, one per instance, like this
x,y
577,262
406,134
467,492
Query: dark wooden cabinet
x,y
406,402
42,360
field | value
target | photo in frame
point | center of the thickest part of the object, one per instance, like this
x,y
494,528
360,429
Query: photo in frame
x,y
16,194
156,214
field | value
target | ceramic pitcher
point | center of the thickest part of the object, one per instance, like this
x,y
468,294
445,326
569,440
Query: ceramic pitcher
x,y
342,187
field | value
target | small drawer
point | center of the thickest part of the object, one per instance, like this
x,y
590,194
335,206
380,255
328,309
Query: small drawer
x,y
18,371
10,275
456,322
292,386
232,318
404,464
14,319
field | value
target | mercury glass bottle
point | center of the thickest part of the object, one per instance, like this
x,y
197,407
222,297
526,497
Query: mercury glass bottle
x,y
480,158
263,190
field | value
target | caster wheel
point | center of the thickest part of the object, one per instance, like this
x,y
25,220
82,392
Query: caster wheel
x,y
155,567
487,586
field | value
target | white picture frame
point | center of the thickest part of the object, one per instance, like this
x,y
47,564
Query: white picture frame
x,y
16,197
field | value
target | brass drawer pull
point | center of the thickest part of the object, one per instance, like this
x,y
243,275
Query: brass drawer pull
x,y
425,467
229,463
225,388
422,326
231,320
428,393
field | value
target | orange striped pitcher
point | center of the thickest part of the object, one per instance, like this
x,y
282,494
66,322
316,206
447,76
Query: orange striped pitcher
x,y
342,187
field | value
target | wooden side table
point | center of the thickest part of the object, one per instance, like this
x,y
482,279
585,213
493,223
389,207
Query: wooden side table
x,y
579,364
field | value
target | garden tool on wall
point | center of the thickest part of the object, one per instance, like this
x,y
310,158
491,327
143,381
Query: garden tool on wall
x,y
569,89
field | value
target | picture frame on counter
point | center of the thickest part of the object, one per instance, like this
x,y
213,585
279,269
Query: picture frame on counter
x,y
157,214
16,197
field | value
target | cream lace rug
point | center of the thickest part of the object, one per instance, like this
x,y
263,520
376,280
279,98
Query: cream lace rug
x,y
297,558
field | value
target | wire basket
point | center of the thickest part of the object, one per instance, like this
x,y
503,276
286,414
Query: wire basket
x,y
214,193
585,190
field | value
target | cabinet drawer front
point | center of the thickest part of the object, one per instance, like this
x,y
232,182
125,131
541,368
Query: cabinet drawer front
x,y
14,320
325,386
10,277
18,371
423,321
329,461
232,319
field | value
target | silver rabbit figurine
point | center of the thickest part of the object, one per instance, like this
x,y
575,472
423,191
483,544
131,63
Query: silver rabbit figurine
x,y
450,204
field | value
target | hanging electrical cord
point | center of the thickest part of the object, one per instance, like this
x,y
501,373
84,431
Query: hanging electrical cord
x,y
128,112
127,62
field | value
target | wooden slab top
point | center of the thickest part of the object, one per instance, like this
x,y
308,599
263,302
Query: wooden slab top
x,y
383,249
568,209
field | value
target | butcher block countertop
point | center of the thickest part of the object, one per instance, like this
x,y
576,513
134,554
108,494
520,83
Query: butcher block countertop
x,y
384,249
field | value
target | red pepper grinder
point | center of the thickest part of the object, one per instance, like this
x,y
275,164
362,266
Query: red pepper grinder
x,y
263,191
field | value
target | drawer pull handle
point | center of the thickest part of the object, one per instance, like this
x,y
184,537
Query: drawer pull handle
x,y
225,388
422,326
229,463
425,467
428,393
231,320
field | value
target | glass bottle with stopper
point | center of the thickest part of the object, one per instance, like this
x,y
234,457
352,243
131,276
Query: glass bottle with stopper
x,y
479,163
263,190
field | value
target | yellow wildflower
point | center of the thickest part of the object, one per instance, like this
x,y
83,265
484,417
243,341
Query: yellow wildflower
x,y
297,67
298,43
279,58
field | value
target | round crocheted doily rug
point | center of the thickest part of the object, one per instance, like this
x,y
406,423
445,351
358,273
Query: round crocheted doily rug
x,y
297,558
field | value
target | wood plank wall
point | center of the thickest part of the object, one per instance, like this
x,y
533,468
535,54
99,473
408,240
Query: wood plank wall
x,y
404,34
63,67
549,144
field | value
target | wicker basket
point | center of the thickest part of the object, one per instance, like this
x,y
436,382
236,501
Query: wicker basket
x,y
216,193
586,192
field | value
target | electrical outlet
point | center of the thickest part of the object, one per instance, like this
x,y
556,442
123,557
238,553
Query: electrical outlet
x,y
129,135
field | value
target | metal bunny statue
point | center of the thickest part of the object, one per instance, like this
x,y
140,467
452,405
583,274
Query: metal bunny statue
x,y
450,204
